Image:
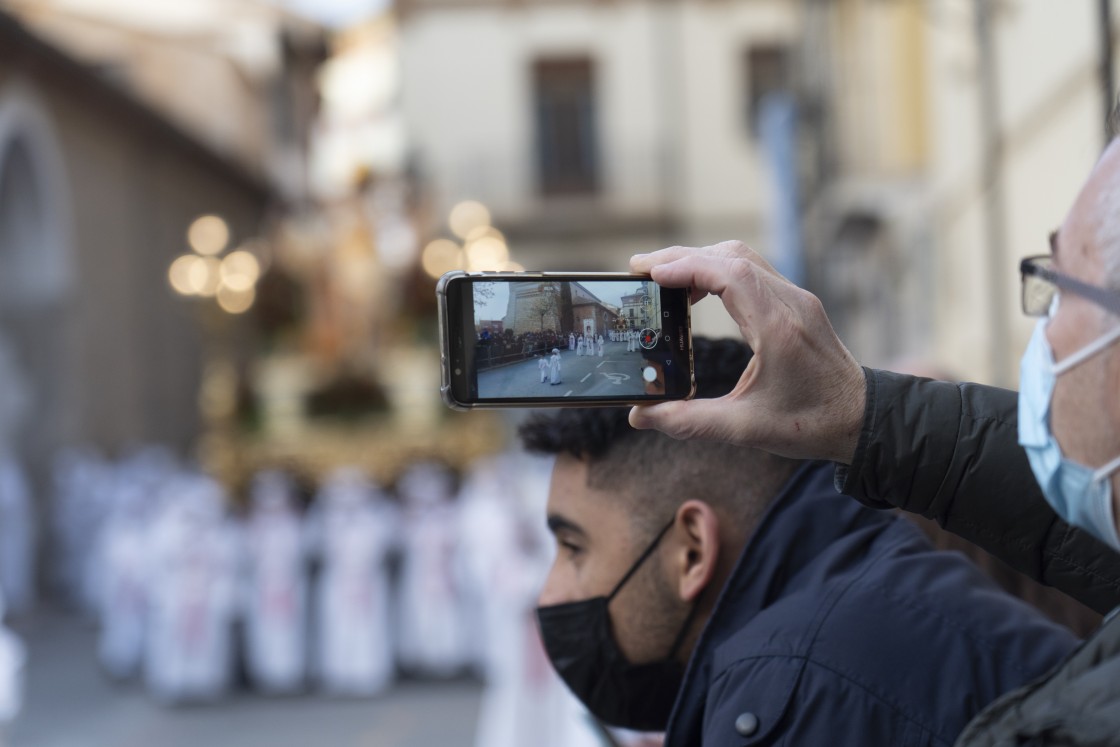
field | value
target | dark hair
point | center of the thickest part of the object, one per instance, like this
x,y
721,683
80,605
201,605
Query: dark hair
x,y
653,473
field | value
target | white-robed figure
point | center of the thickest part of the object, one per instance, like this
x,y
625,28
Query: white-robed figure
x,y
554,367
571,341
599,342
433,636
275,593
356,528
542,366
580,345
123,561
192,594
13,662
505,555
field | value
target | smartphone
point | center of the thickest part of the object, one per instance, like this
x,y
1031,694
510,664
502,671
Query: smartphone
x,y
551,339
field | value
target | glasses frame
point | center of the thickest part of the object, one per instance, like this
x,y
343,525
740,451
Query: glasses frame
x,y
1038,267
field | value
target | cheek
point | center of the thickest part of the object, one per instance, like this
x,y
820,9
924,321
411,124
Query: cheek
x,y
1082,415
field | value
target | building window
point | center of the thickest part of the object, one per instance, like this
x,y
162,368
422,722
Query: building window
x,y
567,157
766,70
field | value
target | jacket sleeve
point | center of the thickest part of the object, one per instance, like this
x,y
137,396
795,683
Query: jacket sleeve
x,y
950,452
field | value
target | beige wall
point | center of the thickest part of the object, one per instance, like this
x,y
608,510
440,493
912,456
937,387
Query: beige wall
x,y
669,104
116,357
907,121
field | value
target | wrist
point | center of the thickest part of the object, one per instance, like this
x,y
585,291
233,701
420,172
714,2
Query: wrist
x,y
852,410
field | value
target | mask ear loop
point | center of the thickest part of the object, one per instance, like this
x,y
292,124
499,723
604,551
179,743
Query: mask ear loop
x,y
1086,352
1103,472
642,558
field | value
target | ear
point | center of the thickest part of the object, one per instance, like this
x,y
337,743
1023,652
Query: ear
x,y
697,546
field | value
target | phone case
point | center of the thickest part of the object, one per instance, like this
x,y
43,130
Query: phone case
x,y
444,343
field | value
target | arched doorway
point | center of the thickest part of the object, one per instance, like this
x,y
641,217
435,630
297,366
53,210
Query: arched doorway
x,y
35,273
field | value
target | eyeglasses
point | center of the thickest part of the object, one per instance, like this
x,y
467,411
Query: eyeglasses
x,y
1041,281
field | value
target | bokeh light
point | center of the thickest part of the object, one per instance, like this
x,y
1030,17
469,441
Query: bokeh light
x,y
468,216
240,270
488,253
208,235
235,301
481,231
203,276
441,256
179,274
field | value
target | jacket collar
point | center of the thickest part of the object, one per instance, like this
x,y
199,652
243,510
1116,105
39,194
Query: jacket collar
x,y
785,553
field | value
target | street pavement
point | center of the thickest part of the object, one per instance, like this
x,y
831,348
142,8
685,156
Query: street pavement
x,y
616,373
70,703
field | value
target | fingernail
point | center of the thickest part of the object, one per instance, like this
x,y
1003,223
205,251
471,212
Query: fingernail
x,y
639,256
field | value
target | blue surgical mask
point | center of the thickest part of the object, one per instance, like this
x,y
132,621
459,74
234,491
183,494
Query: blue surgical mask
x,y
1080,495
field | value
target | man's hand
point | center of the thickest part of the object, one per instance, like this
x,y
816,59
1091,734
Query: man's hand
x,y
802,395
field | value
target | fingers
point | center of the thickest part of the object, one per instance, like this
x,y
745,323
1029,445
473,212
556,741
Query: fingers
x,y
644,263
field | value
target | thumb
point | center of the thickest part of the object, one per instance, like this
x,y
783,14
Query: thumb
x,y
684,419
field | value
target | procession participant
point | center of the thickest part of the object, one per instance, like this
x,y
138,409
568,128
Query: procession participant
x,y
123,563
192,594
354,652
275,593
13,664
554,367
802,616
600,343
542,366
504,553
433,641
571,341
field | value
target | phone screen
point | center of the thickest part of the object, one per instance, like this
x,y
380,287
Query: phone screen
x,y
572,339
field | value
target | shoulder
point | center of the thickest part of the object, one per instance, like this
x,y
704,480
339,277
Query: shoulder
x,y
796,700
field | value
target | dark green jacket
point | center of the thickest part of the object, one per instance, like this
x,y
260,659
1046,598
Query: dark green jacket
x,y
950,452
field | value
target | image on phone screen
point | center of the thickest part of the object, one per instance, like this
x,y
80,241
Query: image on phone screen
x,y
592,340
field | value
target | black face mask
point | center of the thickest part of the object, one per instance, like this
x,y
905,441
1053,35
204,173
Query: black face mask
x,y
578,639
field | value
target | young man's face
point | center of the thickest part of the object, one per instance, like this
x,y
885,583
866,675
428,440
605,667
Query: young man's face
x,y
596,544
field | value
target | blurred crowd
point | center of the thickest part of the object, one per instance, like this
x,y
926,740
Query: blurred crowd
x,y
342,588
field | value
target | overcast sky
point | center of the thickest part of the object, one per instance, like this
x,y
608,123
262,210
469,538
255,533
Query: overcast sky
x,y
610,292
336,13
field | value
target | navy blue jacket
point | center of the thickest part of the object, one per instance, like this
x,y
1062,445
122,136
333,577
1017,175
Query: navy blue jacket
x,y
842,626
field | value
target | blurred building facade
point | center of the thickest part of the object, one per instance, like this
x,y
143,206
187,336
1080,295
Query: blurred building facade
x,y
949,139
935,144
594,130
110,147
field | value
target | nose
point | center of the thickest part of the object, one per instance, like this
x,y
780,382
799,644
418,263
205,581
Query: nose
x,y
552,592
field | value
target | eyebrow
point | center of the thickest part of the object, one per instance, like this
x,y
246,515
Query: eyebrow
x,y
557,523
